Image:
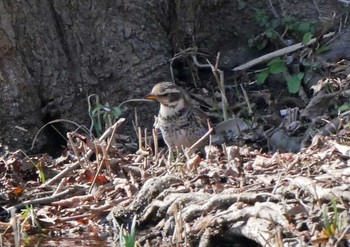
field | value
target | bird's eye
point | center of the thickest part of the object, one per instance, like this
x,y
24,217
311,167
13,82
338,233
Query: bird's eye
x,y
165,95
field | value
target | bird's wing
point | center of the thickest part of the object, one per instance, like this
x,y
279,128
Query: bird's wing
x,y
201,116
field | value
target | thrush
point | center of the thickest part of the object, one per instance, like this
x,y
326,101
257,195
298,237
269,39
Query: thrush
x,y
180,123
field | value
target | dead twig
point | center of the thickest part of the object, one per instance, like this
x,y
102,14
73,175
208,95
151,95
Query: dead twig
x,y
278,53
57,121
76,164
219,78
45,200
197,143
70,138
114,128
247,99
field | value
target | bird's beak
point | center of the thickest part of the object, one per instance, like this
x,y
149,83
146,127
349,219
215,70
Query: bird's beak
x,y
151,96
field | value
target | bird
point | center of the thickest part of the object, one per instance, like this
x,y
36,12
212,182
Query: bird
x,y
180,123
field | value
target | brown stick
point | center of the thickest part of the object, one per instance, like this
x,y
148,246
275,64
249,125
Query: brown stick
x,y
199,141
114,128
278,53
44,200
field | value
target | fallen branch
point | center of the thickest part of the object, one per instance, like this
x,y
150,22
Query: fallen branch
x,y
278,53
45,200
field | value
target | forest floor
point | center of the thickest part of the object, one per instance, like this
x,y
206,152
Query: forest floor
x,y
278,181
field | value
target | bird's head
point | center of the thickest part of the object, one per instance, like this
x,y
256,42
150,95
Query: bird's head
x,y
168,95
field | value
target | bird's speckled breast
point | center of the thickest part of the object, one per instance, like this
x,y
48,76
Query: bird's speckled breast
x,y
181,128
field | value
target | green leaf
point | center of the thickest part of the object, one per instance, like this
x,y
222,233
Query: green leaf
x,y
327,225
288,20
322,49
275,60
277,66
335,217
270,33
344,107
262,76
306,38
97,110
27,211
133,228
304,27
292,26
261,17
105,115
294,82
97,126
300,75
116,112
275,23
121,236
42,176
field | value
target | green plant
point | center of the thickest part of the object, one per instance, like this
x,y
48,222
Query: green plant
x,y
30,223
328,229
333,228
39,167
287,30
300,30
270,33
102,116
278,66
344,108
128,239
286,27
28,211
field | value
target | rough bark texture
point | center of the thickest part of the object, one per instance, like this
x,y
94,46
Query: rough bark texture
x,y
56,53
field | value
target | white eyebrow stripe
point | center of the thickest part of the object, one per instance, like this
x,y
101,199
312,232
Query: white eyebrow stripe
x,y
170,90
